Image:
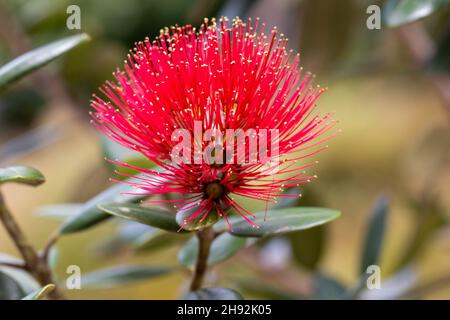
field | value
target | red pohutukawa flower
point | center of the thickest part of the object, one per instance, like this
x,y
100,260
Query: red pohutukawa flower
x,y
219,77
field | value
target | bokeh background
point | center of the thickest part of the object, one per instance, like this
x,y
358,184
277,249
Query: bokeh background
x,y
392,104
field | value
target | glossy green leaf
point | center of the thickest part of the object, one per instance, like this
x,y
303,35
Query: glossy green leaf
x,y
9,288
213,294
38,57
40,293
222,248
90,215
185,221
375,234
398,12
21,174
154,217
115,276
280,221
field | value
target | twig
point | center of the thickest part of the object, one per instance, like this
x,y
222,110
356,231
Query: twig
x,y
49,245
205,239
36,266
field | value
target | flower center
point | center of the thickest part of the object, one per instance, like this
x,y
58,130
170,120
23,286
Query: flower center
x,y
214,190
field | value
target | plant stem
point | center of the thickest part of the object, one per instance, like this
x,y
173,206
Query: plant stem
x,y
205,239
34,264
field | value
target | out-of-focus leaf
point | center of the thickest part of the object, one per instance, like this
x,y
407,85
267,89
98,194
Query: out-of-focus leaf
x,y
375,234
111,277
21,174
265,291
59,211
308,246
41,293
213,294
280,221
114,151
440,63
38,57
156,239
32,140
394,287
398,12
89,214
154,217
222,248
129,231
20,107
9,288
25,281
53,257
327,288
431,217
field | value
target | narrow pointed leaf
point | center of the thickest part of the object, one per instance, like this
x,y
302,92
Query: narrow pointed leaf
x,y
213,294
154,217
21,174
59,211
38,57
89,215
223,247
280,221
327,288
375,234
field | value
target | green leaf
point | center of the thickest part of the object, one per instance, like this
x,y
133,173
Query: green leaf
x,y
156,239
375,234
41,293
111,277
440,63
9,288
25,281
21,174
398,12
213,294
89,215
113,150
263,290
184,220
26,63
222,248
154,217
280,221
59,211
308,246
327,288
